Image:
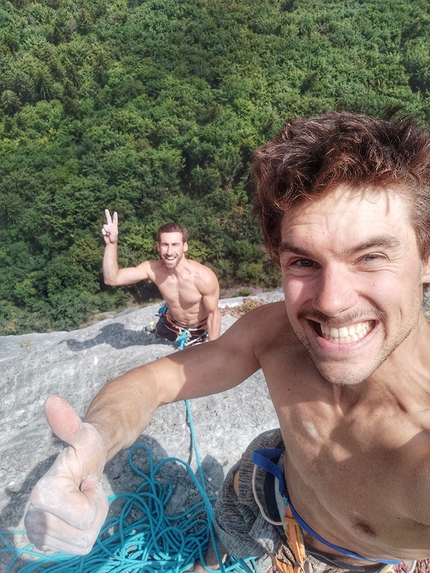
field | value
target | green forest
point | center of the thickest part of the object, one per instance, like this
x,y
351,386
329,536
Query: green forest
x,y
153,108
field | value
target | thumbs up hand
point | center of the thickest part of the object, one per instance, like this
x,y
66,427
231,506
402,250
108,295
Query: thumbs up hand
x,y
68,505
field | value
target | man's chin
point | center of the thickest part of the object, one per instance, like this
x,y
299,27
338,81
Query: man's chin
x,y
338,369
342,374
344,381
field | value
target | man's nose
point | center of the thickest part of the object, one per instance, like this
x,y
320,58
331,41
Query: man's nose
x,y
336,291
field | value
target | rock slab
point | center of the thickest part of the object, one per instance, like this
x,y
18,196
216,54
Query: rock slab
x,y
76,365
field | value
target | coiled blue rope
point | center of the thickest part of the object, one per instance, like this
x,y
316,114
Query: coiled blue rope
x,y
143,538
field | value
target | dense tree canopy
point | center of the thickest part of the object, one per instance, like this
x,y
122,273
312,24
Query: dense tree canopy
x,y
153,108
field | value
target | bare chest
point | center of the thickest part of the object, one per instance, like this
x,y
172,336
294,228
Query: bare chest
x,y
349,470
183,298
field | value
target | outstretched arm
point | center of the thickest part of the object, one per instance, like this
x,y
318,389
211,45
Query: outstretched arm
x,y
68,506
112,274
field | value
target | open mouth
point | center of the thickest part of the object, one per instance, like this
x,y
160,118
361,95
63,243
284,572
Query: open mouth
x,y
344,334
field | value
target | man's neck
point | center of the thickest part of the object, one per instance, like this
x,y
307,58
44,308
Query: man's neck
x,y
178,269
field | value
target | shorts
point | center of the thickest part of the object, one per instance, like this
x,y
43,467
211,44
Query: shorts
x,y
244,532
184,335
239,524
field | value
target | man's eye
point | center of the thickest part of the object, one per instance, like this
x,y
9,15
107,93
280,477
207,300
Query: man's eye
x,y
304,263
372,257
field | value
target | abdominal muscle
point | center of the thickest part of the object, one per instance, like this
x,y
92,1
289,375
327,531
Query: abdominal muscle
x,y
185,302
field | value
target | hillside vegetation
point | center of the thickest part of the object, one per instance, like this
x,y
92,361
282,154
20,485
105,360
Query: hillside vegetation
x,y
153,108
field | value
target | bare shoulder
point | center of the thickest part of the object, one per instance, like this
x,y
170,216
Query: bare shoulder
x,y
154,268
273,313
251,342
205,278
265,327
270,320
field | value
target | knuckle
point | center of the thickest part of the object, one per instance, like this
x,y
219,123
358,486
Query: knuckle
x,y
83,551
85,543
86,521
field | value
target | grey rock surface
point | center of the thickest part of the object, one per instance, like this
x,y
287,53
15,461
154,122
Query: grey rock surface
x,y
76,365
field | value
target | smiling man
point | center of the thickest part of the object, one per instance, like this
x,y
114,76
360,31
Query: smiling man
x,y
343,485
348,276
190,289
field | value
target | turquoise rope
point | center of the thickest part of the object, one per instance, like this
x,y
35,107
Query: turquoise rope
x,y
182,339
209,510
142,539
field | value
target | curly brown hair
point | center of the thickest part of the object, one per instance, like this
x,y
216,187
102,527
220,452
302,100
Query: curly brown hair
x,y
311,157
173,228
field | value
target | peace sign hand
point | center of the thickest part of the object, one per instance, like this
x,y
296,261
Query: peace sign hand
x,y
110,229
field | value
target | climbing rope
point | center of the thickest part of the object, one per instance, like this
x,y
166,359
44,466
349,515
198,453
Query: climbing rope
x,y
143,538
182,339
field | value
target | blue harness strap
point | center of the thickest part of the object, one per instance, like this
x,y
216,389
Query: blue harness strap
x,y
263,459
162,310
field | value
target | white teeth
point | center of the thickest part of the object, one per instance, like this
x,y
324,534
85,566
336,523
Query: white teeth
x,y
345,334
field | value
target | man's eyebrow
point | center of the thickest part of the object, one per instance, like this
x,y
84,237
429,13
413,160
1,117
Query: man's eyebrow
x,y
379,241
289,247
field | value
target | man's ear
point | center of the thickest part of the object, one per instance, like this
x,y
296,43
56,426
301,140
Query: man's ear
x,y
185,246
426,272
158,247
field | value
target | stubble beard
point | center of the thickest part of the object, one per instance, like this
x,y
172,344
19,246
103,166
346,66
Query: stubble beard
x,y
171,264
338,372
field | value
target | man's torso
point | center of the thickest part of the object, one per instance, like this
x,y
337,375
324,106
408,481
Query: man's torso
x,y
181,291
354,459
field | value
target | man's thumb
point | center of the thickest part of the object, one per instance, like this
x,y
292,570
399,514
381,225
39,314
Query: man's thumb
x,y
64,421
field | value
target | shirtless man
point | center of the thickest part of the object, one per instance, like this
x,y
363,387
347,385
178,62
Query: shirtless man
x,y
190,289
344,203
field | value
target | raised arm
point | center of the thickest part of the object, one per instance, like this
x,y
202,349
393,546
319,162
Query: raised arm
x,y
68,506
112,274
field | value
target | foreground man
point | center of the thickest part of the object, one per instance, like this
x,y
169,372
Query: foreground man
x,y
190,289
344,203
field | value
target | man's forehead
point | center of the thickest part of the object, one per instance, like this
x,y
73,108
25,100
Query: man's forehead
x,y
171,237
344,199
348,218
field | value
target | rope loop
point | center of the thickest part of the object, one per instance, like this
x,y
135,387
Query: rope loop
x,y
143,538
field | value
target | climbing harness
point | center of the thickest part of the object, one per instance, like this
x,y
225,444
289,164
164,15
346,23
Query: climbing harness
x,y
144,537
293,533
182,339
162,310
185,339
179,334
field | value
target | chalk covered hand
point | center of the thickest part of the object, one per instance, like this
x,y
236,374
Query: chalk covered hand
x,y
68,505
110,229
